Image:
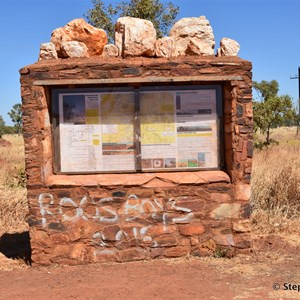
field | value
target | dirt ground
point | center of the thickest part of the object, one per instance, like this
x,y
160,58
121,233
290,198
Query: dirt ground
x,y
243,277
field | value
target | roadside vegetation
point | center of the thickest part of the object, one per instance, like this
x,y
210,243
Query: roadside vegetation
x,y
276,184
13,202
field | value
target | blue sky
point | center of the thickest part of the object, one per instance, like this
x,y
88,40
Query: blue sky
x,y
267,30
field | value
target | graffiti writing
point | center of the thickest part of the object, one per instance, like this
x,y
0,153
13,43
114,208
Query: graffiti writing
x,y
105,211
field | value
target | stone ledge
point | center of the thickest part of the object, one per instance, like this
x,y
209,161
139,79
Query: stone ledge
x,y
142,179
96,61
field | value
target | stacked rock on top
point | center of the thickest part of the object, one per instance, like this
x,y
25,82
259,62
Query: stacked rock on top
x,y
136,37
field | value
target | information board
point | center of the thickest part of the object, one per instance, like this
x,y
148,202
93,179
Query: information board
x,y
177,129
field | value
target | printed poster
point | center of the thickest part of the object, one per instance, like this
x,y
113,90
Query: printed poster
x,y
158,130
80,146
179,130
96,132
118,151
196,122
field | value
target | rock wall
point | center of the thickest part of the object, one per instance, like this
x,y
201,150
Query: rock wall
x,y
121,217
119,224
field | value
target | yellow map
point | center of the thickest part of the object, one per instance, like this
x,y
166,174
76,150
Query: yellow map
x,y
117,117
157,118
92,115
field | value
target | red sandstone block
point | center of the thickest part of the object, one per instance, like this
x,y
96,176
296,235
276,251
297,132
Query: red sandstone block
x,y
249,110
202,192
156,252
132,254
188,178
81,229
172,176
214,176
250,148
191,229
60,250
225,210
138,179
236,129
78,252
237,175
166,240
41,259
109,233
141,193
238,157
158,183
115,73
132,207
248,170
189,205
244,152
60,180
243,192
240,144
59,238
158,230
248,162
177,251
246,129
224,239
185,242
179,218
104,256
131,229
99,194
40,236
125,244
221,197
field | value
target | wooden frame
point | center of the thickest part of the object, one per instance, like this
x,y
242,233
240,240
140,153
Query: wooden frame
x,y
137,133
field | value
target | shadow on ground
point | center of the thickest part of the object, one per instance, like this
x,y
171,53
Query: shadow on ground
x,y
16,246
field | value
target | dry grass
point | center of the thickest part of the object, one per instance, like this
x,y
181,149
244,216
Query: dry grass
x,y
284,135
276,184
13,211
7,264
13,202
12,161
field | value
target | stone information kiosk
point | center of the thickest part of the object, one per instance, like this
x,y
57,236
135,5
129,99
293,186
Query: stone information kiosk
x,y
137,153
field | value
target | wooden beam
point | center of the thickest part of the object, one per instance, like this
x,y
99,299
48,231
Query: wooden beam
x,y
204,78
